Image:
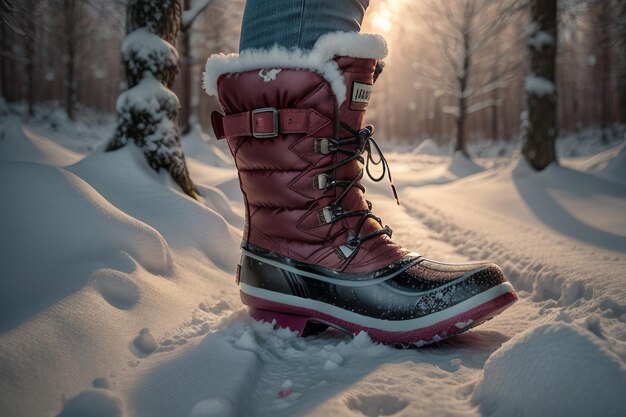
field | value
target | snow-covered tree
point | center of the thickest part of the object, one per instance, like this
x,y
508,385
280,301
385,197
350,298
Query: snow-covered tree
x,y
540,124
148,109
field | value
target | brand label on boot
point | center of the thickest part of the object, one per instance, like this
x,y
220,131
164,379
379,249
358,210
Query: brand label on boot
x,y
268,75
360,95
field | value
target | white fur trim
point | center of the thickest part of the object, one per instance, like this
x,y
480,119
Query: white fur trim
x,y
352,44
319,59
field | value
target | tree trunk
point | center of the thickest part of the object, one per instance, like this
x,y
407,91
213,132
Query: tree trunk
x,y
575,105
622,72
150,76
186,67
622,89
70,65
504,111
604,46
31,33
3,70
437,122
30,75
541,128
461,145
69,82
495,121
495,94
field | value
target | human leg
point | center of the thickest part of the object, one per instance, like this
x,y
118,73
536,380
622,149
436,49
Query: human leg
x,y
297,23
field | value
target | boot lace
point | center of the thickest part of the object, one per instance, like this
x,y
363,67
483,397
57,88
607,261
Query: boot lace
x,y
365,143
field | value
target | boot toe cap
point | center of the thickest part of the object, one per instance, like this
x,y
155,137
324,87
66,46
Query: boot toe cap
x,y
429,275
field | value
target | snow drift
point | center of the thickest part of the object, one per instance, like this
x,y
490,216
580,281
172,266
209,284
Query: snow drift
x,y
126,180
71,231
550,361
20,143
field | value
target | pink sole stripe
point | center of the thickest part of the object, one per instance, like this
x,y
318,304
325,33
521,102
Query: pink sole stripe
x,y
296,318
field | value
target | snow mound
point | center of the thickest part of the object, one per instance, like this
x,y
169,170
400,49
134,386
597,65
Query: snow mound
x,y
546,372
575,203
462,166
4,108
427,147
609,164
70,231
145,342
213,407
95,402
19,143
199,146
117,288
615,168
232,190
124,178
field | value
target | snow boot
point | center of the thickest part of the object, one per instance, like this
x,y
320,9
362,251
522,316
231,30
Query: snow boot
x,y
313,253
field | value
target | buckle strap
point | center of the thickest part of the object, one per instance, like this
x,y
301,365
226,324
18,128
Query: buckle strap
x,y
268,122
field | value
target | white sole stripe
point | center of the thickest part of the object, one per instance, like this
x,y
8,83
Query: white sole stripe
x,y
345,283
387,325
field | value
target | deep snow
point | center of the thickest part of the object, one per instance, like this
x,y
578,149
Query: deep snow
x,y
117,294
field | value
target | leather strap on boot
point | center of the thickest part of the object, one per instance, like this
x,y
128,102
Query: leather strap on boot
x,y
268,122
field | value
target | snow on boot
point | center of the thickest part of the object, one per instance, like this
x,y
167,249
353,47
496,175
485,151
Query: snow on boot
x,y
313,253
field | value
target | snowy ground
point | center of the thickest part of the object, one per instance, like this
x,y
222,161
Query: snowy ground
x,y
117,294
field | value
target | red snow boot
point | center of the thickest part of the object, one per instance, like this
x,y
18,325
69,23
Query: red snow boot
x,y
313,253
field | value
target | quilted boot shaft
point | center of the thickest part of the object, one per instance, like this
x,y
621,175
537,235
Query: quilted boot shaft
x,y
277,121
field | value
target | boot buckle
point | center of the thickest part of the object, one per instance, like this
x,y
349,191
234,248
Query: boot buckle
x,y
260,122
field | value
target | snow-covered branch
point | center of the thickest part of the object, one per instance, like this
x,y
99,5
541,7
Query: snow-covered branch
x,y
482,105
188,16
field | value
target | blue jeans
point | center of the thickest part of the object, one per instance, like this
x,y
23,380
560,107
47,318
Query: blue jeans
x,y
297,23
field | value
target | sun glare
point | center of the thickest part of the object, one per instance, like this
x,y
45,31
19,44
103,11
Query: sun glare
x,y
382,21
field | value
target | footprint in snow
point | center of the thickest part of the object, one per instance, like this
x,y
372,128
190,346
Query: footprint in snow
x,y
376,405
145,343
117,289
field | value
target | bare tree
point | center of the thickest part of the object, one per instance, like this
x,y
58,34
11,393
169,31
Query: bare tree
x,y
540,130
466,32
148,109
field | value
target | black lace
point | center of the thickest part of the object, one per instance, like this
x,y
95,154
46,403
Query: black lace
x,y
365,143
